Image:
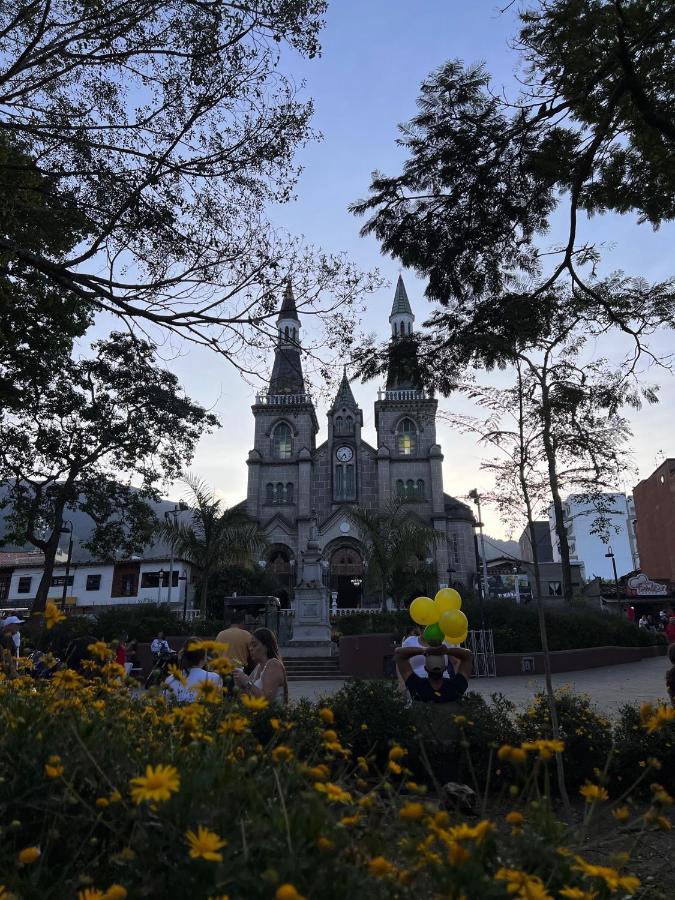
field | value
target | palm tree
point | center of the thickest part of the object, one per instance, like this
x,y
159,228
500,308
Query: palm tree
x,y
393,540
217,535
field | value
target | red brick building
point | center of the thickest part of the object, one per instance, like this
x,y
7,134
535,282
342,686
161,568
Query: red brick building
x,y
655,513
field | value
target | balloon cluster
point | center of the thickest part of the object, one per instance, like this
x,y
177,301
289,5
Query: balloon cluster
x,y
442,616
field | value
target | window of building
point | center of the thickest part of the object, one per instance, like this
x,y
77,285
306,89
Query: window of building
x,y
269,493
345,482
279,493
128,586
289,492
151,579
406,437
93,582
400,489
282,441
554,589
24,584
60,580
339,424
454,549
410,489
420,489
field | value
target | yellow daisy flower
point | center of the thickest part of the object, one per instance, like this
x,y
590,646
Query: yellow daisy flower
x,y
205,844
156,785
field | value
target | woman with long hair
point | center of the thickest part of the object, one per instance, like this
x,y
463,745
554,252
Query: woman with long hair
x,y
268,678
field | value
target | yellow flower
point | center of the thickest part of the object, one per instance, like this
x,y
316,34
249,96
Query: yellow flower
x,y
326,715
28,855
287,892
334,793
411,812
572,893
657,718
233,723
90,894
255,703
222,666
66,679
53,615
394,767
544,748
415,788
593,792
115,892
367,801
156,785
611,877
456,853
322,843
523,885
319,773
397,753
115,797
621,814
472,833
101,650
282,754
348,821
209,692
663,823
330,735
177,673
102,802
362,764
205,844
53,767
515,755
660,795
515,819
379,867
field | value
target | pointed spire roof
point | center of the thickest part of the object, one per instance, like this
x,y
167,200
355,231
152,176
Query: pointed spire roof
x,y
401,303
344,396
288,310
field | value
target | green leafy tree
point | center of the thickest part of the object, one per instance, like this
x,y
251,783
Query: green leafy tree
x,y
169,128
215,538
394,543
100,420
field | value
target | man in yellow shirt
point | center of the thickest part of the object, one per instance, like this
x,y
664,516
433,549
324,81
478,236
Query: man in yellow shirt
x,y
238,640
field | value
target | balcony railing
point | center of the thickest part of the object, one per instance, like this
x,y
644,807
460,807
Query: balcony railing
x,y
401,395
282,399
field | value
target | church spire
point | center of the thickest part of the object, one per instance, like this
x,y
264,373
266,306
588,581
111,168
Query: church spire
x,y
401,316
287,377
344,396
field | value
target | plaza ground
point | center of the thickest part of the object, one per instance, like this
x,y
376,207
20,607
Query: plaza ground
x,y
610,687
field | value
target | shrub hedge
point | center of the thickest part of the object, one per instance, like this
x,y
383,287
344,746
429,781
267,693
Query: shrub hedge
x,y
516,628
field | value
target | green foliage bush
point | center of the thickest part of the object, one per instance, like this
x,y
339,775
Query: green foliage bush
x,y
634,747
140,622
516,628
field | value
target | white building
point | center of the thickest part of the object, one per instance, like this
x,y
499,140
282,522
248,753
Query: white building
x,y
590,539
93,584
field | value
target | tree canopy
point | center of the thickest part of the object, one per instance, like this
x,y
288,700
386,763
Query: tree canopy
x,y
166,130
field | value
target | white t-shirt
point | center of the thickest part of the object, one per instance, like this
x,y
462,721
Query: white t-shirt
x,y
186,693
417,662
159,645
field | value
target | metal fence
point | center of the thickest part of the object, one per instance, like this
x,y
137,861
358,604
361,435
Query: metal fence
x,y
481,644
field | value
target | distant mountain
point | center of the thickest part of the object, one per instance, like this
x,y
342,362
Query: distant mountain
x,y
494,548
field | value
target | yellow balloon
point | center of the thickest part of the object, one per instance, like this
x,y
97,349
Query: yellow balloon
x,y
423,611
453,622
457,640
447,598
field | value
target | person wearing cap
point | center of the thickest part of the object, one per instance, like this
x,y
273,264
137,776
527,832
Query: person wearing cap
x,y
10,640
438,661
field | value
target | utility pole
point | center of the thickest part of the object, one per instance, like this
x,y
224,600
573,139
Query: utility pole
x,y
173,513
475,496
610,555
68,531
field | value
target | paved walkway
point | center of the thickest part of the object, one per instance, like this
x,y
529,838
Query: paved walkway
x,y
610,687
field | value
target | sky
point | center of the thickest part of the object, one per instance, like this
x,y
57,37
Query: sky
x,y
375,55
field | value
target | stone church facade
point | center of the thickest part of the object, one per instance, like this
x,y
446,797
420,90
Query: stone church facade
x,y
295,484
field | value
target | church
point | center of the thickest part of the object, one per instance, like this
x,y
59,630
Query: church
x,y
295,485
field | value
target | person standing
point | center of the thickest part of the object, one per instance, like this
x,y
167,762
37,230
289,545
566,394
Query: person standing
x,y
670,630
238,640
159,645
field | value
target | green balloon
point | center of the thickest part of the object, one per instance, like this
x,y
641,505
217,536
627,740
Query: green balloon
x,y
433,634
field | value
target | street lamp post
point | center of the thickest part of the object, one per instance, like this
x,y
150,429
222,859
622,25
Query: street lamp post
x,y
160,581
173,513
516,580
475,496
184,578
68,531
610,555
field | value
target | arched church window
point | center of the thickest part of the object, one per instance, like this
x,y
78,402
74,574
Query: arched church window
x,y
395,329
289,492
349,425
410,489
409,327
339,424
400,489
406,437
282,441
420,489
269,493
279,494
286,332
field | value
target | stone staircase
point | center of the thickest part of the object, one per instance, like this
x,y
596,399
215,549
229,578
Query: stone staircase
x,y
313,668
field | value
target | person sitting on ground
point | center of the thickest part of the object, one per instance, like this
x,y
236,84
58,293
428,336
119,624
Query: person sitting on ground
x,y
268,678
238,640
193,663
670,675
159,645
435,688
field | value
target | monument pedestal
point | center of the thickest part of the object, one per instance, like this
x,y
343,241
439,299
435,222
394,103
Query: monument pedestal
x,y
311,622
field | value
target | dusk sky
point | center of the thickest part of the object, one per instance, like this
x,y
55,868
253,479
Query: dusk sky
x,y
375,55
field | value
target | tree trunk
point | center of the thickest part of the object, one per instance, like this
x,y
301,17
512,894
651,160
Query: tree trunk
x,y
204,593
555,494
543,631
49,548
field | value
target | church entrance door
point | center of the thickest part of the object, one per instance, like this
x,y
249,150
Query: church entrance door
x,y
346,577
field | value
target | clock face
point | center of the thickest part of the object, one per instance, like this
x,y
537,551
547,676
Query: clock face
x,y
344,454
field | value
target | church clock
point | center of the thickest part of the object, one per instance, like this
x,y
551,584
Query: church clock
x,y
344,454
